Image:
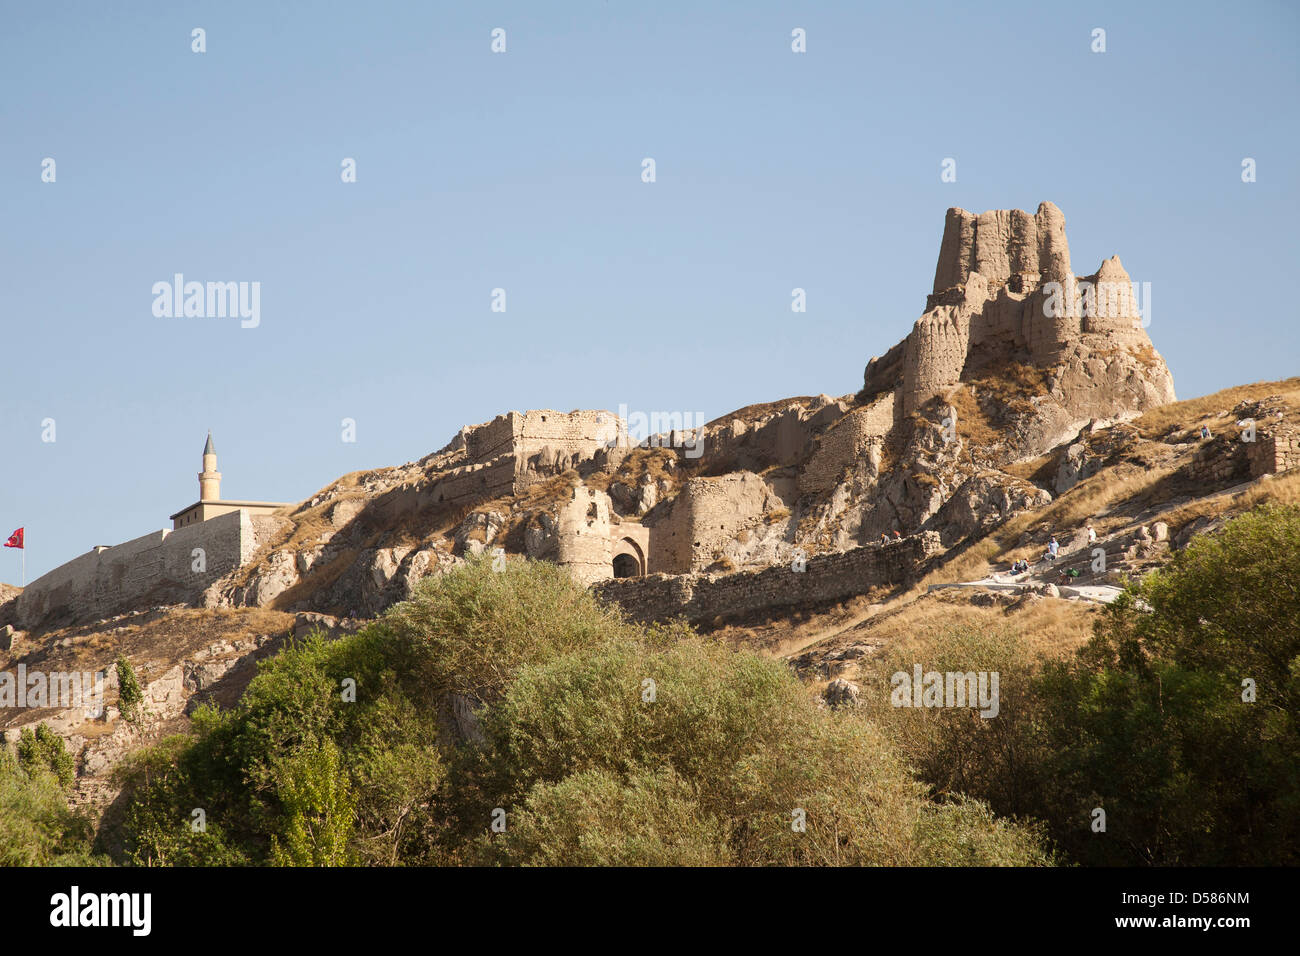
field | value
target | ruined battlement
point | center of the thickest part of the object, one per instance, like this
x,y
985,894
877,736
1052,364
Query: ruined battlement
x,y
827,579
1004,290
577,434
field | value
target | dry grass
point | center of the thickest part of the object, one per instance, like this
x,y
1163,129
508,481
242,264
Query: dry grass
x,y
755,413
1010,382
785,635
153,647
1052,628
1072,510
973,563
1126,482
1194,412
1280,489
310,524
1038,470
659,464
973,425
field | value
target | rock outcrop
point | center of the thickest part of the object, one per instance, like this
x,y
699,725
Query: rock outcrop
x,y
1004,292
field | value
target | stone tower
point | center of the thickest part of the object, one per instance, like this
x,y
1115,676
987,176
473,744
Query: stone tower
x,y
209,477
1004,291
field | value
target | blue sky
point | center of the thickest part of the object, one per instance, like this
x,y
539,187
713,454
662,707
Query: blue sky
x,y
522,171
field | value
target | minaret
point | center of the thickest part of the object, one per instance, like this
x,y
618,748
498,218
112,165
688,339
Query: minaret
x,y
209,477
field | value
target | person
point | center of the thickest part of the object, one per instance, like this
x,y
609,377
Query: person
x,y
1053,549
897,536
884,538
1205,431
1092,534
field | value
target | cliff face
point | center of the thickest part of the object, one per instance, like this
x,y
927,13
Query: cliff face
x,y
1004,292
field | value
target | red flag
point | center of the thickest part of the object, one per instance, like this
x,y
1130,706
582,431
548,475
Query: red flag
x,y
15,539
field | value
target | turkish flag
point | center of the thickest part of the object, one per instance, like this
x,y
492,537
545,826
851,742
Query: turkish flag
x,y
15,539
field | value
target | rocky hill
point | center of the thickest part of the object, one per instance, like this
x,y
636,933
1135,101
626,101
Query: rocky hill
x,y
1026,402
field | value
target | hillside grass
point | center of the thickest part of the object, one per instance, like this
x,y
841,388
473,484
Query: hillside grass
x,y
1194,412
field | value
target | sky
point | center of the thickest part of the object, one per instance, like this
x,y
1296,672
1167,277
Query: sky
x,y
522,170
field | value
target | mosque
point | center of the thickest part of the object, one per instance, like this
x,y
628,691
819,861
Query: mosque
x,y
210,503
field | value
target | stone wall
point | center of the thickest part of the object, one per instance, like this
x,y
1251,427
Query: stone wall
x,y
480,481
583,542
1219,459
1001,243
826,579
491,439
992,303
1275,450
857,434
708,513
156,568
781,438
514,450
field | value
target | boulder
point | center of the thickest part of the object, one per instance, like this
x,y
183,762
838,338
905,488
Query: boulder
x,y
277,575
841,692
477,532
1073,468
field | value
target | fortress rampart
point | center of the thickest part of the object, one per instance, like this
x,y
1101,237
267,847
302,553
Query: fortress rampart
x,y
156,568
826,579
1004,290
515,450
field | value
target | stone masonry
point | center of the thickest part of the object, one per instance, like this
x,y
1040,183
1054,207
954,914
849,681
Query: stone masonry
x,y
1004,290
826,579
163,567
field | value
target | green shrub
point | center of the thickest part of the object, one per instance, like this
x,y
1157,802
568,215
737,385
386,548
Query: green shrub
x,y
740,737
731,751
1147,722
593,818
130,698
36,826
43,751
319,810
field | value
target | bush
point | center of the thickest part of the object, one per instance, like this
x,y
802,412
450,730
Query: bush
x,y
733,736
36,826
318,807
1151,721
956,750
130,698
593,818
603,743
43,751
